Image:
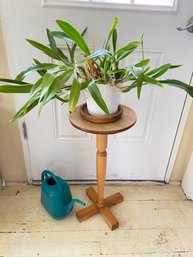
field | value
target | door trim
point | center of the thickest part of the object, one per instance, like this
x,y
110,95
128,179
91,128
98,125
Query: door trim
x,y
178,137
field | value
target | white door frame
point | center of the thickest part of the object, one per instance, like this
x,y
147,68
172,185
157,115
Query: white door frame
x,y
178,137
187,182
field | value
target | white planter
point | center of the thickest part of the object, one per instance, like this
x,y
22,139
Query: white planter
x,y
111,97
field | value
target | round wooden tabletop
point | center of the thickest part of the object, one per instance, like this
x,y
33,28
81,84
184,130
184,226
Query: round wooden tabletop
x,y
127,120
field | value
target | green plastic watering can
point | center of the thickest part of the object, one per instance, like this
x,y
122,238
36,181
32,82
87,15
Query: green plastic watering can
x,y
56,196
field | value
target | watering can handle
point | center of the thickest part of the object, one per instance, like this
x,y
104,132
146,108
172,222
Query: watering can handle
x,y
46,174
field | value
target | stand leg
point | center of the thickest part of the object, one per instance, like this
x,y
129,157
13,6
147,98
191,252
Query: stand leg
x,y
101,162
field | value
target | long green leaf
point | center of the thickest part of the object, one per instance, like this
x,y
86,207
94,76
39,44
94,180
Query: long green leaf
x,y
142,63
14,89
98,53
96,95
152,81
34,93
124,54
31,104
158,72
139,83
74,94
113,26
13,81
37,67
178,84
46,83
114,40
61,35
174,66
35,88
55,49
43,48
70,52
126,50
52,41
130,47
75,45
74,35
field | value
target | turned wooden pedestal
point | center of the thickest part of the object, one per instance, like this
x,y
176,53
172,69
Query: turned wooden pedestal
x,y
101,204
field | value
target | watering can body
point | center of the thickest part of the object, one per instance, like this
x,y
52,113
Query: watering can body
x,y
56,196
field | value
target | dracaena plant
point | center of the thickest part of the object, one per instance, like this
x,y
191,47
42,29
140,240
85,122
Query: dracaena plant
x,y
65,79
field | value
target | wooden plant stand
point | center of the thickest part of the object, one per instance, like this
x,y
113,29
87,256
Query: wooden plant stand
x,y
127,120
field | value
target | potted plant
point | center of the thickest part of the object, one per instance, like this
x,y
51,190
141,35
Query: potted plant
x,y
95,72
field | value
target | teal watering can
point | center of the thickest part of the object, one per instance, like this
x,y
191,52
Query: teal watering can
x,y
56,196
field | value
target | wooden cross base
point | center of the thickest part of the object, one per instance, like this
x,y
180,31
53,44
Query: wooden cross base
x,y
89,211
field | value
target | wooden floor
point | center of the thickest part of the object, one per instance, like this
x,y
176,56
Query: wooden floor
x,y
155,221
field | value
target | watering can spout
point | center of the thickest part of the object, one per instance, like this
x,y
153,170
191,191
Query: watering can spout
x,y
78,201
70,205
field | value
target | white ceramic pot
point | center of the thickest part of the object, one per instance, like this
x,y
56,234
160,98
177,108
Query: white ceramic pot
x,y
111,97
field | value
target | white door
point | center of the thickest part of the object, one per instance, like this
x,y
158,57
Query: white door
x,y
141,153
